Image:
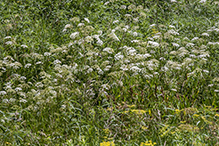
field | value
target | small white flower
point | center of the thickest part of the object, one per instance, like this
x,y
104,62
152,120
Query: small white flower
x,y
23,78
86,19
134,41
152,25
173,1
135,69
152,51
154,44
156,37
47,54
116,21
5,100
57,61
213,43
216,90
100,71
128,15
12,100
24,46
124,67
210,85
80,24
190,45
130,51
39,84
88,39
162,58
81,41
109,50
171,26
202,1
127,26
174,90
9,43
18,89
107,68
195,38
27,65
123,6
113,35
135,34
136,19
203,55
173,32
146,55
216,29
99,42
89,70
106,3
205,34
105,86
23,100
124,29
74,35
63,106
175,44
3,93
185,38
39,62
67,26
100,32
192,56
8,37
118,56
206,71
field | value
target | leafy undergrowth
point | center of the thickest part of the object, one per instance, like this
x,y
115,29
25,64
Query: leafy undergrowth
x,y
109,72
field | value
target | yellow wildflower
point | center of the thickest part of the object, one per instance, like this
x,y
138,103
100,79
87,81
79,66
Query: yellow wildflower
x,y
195,115
107,131
8,143
177,111
148,143
130,106
108,143
144,128
138,111
182,122
149,111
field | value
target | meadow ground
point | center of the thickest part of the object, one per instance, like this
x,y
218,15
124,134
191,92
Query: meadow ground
x,y
118,72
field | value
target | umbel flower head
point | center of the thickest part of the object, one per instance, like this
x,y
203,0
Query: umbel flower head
x,y
74,35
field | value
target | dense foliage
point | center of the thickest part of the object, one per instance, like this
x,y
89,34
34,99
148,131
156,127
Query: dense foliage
x,y
117,72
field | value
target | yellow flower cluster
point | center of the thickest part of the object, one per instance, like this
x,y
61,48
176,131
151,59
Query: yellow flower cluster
x,y
108,143
148,143
138,111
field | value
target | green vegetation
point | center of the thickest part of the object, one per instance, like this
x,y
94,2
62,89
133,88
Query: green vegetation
x,y
117,72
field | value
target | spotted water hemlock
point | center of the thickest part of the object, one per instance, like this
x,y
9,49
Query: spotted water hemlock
x,y
113,35
3,93
7,37
109,50
173,32
153,44
86,19
202,1
205,34
74,35
175,44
